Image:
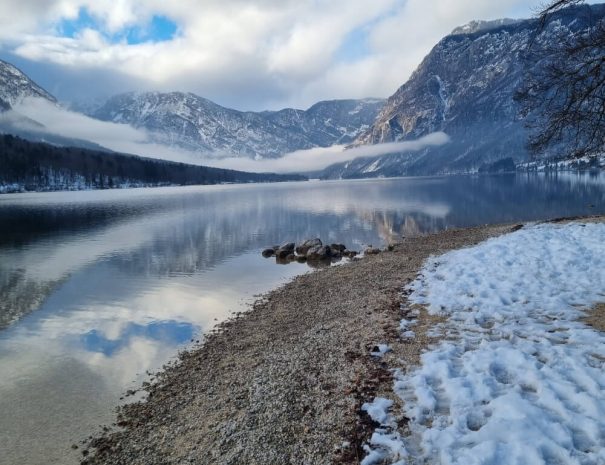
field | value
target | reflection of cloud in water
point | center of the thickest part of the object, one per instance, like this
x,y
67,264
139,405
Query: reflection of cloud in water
x,y
106,327
118,296
124,325
340,202
164,332
48,260
162,232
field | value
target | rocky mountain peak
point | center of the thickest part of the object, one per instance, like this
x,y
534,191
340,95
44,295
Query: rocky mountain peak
x,y
479,25
15,86
464,87
188,121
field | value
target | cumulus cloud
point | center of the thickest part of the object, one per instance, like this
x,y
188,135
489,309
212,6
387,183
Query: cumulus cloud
x,y
252,54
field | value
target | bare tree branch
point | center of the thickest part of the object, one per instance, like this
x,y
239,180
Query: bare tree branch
x,y
563,93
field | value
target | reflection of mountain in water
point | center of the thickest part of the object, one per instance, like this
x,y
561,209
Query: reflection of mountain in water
x,y
193,230
20,295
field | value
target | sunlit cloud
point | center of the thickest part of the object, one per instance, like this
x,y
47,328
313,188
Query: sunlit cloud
x,y
259,54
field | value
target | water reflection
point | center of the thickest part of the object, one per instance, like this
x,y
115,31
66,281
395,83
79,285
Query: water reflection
x,y
97,287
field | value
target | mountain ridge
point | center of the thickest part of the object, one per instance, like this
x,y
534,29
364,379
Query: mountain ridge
x,y
15,86
186,120
465,88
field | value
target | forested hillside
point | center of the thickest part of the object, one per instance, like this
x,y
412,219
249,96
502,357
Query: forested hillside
x,y
31,166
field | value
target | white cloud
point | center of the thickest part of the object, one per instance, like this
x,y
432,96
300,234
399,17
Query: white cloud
x,y
319,158
251,54
125,139
59,121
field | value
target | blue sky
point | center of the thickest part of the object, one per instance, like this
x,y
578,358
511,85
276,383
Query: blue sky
x,y
156,29
247,54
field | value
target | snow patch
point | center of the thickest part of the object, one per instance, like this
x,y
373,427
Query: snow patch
x,y
518,379
385,442
378,409
379,350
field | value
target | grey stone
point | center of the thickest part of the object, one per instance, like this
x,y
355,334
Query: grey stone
x,y
319,252
303,248
268,253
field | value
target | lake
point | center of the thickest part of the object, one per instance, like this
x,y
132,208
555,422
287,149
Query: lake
x,y
99,288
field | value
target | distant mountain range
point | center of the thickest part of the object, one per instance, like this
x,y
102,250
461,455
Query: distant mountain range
x,y
39,161
464,87
188,121
194,123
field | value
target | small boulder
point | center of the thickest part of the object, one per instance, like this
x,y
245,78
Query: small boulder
x,y
319,252
268,253
287,246
303,248
285,249
371,251
340,247
281,253
335,252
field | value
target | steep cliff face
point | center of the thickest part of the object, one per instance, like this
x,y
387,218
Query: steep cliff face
x,y
464,87
188,121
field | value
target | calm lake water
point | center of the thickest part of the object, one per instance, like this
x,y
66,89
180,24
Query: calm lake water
x,y
98,288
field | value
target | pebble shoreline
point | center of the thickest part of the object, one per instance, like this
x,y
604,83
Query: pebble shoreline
x,y
284,382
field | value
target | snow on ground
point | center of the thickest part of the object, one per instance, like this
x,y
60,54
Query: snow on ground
x,y
517,379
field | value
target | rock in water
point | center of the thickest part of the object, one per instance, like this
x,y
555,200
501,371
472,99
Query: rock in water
x,y
287,248
303,248
319,252
268,253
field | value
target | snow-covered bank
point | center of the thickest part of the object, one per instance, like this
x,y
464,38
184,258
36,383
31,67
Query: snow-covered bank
x,y
518,379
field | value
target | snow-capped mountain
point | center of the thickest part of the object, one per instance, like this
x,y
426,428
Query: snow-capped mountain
x,y
477,26
464,87
16,86
188,121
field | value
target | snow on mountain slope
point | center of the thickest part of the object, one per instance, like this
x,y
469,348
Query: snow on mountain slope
x,y
188,121
464,87
16,86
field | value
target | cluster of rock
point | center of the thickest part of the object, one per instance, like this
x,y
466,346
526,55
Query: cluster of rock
x,y
311,250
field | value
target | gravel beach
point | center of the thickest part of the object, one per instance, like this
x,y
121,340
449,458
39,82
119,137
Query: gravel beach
x,y
284,382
